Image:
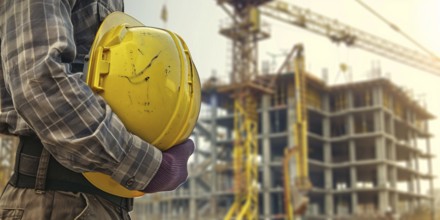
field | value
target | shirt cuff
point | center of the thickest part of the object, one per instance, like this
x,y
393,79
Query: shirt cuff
x,y
139,165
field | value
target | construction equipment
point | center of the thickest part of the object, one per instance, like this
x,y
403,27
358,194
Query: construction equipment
x,y
245,32
244,28
338,33
148,78
297,182
342,33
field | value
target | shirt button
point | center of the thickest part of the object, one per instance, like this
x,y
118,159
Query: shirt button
x,y
130,181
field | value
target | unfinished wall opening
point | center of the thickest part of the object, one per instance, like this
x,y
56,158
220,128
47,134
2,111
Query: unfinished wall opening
x,y
341,178
277,151
338,126
401,131
365,149
340,152
317,204
389,149
389,128
362,98
367,202
403,155
363,122
277,177
338,101
314,98
317,176
278,120
316,151
315,123
342,203
277,203
279,98
366,177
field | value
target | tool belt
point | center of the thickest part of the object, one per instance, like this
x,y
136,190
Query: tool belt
x,y
36,168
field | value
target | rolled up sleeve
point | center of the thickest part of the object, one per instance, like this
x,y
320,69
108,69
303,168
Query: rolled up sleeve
x,y
76,126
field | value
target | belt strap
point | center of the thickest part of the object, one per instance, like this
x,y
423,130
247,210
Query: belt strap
x,y
36,168
43,165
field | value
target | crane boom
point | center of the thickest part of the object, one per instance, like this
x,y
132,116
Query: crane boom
x,y
342,33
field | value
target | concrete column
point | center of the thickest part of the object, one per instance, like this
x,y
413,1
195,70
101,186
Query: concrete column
x,y
417,178
380,141
155,209
383,201
213,141
325,103
327,146
394,203
350,99
380,156
192,183
328,175
353,177
349,119
170,209
329,210
394,197
416,161
267,174
379,121
350,125
354,202
380,146
431,180
411,182
352,150
377,96
381,175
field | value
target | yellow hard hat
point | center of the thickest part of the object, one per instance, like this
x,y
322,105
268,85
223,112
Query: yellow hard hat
x,y
148,78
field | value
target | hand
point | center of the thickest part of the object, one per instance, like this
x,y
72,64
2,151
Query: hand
x,y
173,170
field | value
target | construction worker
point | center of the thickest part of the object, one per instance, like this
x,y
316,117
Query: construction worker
x,y
65,129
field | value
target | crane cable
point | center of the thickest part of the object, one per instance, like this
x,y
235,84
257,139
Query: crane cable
x,y
397,29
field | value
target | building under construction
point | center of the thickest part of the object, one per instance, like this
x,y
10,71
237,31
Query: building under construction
x,y
363,149
367,141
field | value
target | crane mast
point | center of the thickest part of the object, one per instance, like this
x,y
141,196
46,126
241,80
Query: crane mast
x,y
245,31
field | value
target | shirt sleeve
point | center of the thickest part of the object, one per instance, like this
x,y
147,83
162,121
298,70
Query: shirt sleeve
x,y
76,126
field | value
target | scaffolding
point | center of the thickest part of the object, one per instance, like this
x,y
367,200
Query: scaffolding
x,y
354,172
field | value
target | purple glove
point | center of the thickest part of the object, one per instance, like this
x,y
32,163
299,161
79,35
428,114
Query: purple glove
x,y
173,169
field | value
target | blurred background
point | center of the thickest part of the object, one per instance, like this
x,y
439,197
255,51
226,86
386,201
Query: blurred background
x,y
330,106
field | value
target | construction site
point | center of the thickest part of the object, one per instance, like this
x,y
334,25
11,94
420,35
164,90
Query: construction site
x,y
274,139
286,144
361,144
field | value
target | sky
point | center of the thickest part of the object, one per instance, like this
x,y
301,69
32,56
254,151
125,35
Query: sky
x,y
199,21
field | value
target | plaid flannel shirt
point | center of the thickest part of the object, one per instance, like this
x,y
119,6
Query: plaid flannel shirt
x,y
42,91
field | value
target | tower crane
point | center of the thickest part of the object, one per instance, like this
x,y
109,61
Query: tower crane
x,y
245,32
342,33
338,33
